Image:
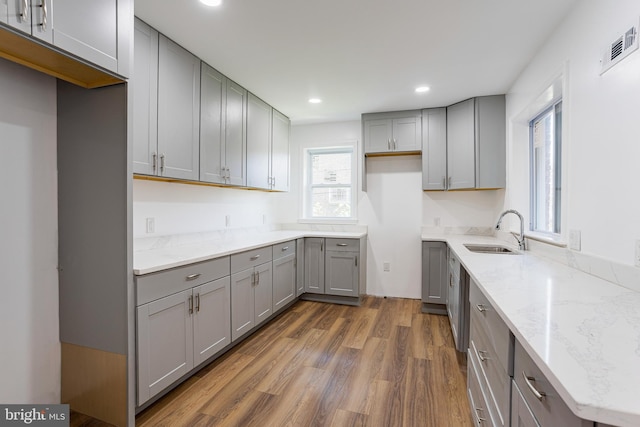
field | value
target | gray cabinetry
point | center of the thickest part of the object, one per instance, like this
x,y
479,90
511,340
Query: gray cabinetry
x,y
434,149
144,84
434,277
476,144
280,152
394,132
222,129
258,143
251,290
182,319
299,263
341,267
314,265
284,274
4,11
95,31
178,111
458,302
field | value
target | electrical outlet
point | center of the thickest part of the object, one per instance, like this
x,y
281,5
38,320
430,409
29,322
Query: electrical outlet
x,y
436,221
637,257
151,225
227,220
575,240
386,266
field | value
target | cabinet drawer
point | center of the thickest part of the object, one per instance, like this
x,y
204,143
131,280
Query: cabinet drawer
x,y
343,245
153,286
477,402
250,259
494,328
491,371
283,249
549,409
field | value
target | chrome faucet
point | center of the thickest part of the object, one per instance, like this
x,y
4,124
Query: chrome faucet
x,y
520,240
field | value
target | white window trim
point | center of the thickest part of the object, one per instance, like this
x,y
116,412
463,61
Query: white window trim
x,y
304,217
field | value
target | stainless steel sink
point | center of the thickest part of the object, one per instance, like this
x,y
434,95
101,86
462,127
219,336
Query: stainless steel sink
x,y
491,249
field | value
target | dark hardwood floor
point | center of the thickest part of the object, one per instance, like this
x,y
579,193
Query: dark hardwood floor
x,y
381,364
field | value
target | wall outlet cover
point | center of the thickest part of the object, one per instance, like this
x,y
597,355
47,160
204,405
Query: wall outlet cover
x,y
575,238
386,266
151,225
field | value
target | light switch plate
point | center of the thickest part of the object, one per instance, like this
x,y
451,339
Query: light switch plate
x,y
151,225
575,240
386,266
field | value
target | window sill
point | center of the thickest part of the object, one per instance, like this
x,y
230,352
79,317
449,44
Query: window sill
x,y
327,221
550,239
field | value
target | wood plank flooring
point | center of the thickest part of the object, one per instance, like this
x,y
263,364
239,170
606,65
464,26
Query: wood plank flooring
x,y
381,364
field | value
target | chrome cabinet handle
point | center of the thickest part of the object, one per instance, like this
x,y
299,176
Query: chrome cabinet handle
x,y
481,308
481,356
154,161
190,304
255,257
193,276
25,11
258,281
197,303
356,260
162,163
273,181
321,245
44,14
341,244
540,395
286,248
395,144
449,181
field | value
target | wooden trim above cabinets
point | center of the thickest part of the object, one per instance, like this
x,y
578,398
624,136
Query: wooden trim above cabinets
x,y
47,59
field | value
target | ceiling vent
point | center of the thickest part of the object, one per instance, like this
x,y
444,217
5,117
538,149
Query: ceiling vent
x,y
620,48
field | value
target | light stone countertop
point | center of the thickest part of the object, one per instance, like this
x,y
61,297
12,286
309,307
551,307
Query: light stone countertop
x,y
166,254
582,332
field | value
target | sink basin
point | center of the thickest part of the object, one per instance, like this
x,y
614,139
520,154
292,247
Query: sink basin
x,y
491,249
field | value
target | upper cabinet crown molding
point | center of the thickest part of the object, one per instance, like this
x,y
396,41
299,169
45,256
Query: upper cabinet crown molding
x,y
61,44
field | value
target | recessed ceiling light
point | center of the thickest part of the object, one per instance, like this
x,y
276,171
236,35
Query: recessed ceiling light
x,y
422,89
211,2
315,100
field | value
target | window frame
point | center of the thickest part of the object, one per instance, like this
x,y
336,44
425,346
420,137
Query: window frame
x,y
308,187
556,108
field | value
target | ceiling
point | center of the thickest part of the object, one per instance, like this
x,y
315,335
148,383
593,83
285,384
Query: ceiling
x,y
361,56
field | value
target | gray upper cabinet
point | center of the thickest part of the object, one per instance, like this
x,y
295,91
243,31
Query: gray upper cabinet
x,y
396,132
4,11
222,129
434,277
476,144
144,82
280,152
434,149
178,111
258,143
93,30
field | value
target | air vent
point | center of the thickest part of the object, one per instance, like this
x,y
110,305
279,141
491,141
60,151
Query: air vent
x,y
619,49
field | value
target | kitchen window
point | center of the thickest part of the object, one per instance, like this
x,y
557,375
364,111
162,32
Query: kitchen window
x,y
546,147
330,184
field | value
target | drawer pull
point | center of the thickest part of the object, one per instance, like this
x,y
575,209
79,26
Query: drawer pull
x,y
193,276
255,257
197,303
190,304
480,419
481,308
286,248
341,244
481,355
540,395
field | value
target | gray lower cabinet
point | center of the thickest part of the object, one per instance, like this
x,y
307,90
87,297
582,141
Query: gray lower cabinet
x,y
284,274
521,415
314,265
342,273
458,302
180,331
434,277
299,263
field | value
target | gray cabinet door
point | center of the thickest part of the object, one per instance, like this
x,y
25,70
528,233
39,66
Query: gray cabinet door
x,y
284,281
490,142
314,265
4,11
461,145
165,343
407,134
19,15
263,293
235,134
212,319
212,131
378,135
299,263
434,272
280,152
521,415
341,273
434,149
258,143
28,17
88,29
144,82
178,111
242,303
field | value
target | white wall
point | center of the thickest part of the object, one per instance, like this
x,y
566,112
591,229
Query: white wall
x,y
29,334
394,208
602,128
182,208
